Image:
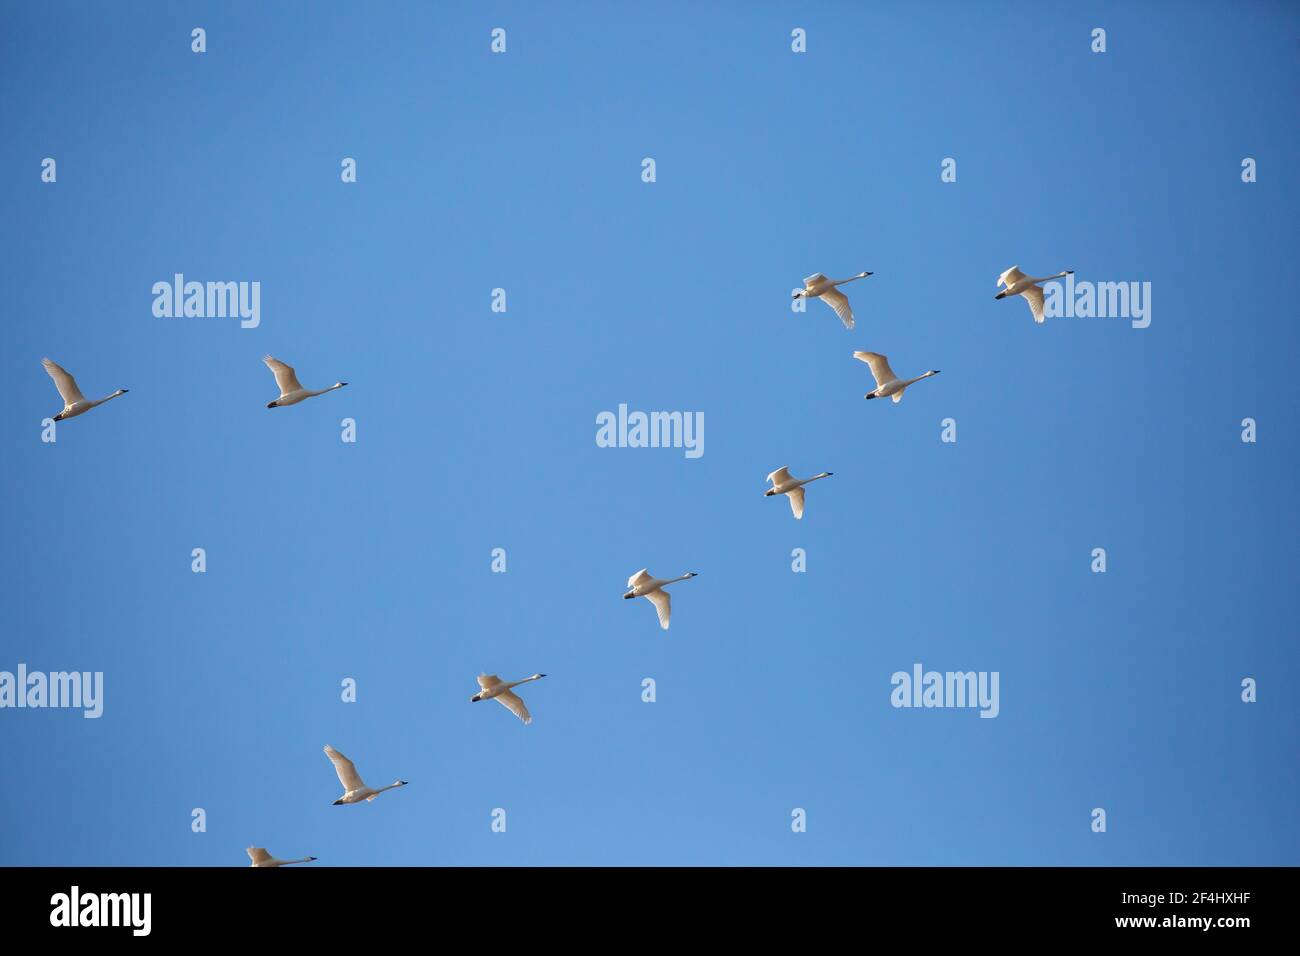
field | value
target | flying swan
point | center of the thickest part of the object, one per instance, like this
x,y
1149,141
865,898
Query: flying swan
x,y
817,286
792,488
1017,283
887,383
291,392
354,788
491,686
643,585
74,403
260,857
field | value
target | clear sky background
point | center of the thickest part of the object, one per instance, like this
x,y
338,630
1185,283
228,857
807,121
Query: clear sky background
x,y
476,430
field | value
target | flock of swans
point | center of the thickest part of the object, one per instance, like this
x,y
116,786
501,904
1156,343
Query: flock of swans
x,y
355,790
815,286
74,403
640,584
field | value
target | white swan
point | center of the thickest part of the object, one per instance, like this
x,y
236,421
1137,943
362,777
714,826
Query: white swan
x,y
491,687
1017,283
74,403
792,488
291,392
260,857
817,286
643,585
887,383
354,788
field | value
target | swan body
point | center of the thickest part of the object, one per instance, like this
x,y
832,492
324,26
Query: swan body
x,y
785,484
492,687
260,857
74,403
291,392
1017,283
817,286
887,383
354,788
643,585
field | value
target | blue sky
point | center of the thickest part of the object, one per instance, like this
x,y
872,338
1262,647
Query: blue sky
x,y
476,430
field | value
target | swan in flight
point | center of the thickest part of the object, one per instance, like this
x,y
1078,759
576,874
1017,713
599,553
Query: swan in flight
x,y
491,686
74,403
260,857
291,392
887,383
817,286
643,585
1017,283
354,788
792,488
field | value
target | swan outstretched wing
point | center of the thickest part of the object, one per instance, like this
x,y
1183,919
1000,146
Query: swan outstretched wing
x,y
838,301
880,369
796,501
813,279
639,578
780,475
285,376
488,681
1011,277
344,767
1034,296
663,605
65,383
258,855
515,704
